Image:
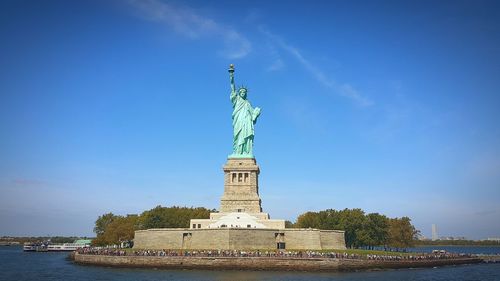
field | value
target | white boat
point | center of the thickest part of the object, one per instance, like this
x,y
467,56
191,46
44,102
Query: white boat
x,y
34,247
28,247
48,247
64,247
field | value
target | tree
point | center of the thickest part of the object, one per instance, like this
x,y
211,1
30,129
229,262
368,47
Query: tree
x,y
352,221
402,233
289,224
112,229
375,231
119,230
329,219
102,223
308,220
361,230
171,217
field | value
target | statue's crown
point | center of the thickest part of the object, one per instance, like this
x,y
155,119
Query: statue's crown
x,y
242,87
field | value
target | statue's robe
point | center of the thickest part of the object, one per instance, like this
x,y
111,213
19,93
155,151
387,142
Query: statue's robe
x,y
243,125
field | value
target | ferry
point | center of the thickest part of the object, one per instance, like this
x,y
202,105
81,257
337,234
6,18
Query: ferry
x,y
34,247
64,247
49,247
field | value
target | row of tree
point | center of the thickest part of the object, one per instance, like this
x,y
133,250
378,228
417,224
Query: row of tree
x,y
363,230
112,229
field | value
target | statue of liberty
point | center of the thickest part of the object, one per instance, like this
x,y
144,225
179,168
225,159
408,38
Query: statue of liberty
x,y
244,118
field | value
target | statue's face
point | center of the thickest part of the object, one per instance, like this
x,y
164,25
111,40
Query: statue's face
x,y
243,93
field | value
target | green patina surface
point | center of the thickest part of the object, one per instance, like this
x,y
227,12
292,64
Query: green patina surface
x,y
244,119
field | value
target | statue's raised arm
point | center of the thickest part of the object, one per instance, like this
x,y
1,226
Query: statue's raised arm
x,y
231,80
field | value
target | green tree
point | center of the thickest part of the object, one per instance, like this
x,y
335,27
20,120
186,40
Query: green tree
x,y
352,221
308,220
112,229
171,217
402,233
121,229
328,219
375,231
362,230
102,223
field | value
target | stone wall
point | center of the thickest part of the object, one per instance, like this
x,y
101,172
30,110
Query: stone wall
x,y
252,239
258,263
331,239
302,239
238,239
159,239
272,223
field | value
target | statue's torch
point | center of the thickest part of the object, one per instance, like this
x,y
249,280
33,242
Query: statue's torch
x,y
231,69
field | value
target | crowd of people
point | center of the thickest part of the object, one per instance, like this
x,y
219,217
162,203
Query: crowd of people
x,y
258,253
102,251
417,257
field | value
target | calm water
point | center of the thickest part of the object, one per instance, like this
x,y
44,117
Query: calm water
x,y
459,249
17,265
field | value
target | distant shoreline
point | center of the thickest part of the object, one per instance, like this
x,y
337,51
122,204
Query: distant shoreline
x,y
451,245
260,263
478,243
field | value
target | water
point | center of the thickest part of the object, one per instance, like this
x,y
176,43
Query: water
x,y
484,250
18,265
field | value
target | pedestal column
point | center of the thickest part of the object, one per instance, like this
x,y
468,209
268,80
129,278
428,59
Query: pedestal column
x,y
241,186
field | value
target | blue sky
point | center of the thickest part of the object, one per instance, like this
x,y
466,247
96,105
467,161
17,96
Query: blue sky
x,y
388,106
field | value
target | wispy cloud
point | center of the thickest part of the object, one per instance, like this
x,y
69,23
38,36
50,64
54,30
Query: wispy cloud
x,y
345,90
278,64
191,24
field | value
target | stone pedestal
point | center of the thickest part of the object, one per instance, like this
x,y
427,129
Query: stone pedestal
x,y
240,205
241,186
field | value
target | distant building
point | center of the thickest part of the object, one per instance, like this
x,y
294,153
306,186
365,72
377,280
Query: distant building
x,y
449,238
493,239
434,232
